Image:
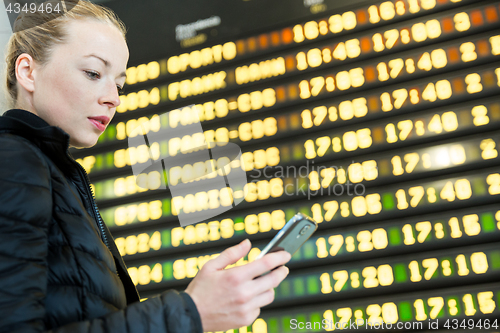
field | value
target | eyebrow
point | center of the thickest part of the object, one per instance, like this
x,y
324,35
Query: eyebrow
x,y
106,63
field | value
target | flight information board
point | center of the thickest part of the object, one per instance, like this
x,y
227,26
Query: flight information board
x,y
379,119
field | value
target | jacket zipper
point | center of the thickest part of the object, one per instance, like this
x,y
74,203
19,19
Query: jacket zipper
x,y
97,215
94,206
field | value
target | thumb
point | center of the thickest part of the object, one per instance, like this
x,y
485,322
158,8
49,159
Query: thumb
x,y
230,255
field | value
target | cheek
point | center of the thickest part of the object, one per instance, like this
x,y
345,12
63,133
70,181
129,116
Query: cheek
x,y
69,89
62,99
67,85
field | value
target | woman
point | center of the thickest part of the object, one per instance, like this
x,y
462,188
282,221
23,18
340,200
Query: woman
x,y
59,267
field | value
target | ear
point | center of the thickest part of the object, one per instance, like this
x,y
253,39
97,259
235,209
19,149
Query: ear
x,y
25,66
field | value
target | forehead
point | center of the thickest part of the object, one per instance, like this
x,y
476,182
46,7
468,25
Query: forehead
x,y
91,36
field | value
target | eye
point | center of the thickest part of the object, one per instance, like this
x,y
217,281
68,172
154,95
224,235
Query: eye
x,y
120,90
93,75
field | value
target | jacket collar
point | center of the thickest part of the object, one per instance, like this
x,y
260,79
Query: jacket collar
x,y
21,119
53,141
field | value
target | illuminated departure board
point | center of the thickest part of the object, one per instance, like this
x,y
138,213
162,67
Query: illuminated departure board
x,y
379,119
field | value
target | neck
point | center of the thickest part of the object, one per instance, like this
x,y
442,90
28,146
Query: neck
x,y
25,103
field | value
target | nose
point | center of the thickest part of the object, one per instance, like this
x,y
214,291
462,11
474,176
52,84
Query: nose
x,y
110,96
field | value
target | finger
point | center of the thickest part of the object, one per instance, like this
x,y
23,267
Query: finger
x,y
268,263
263,299
269,281
229,256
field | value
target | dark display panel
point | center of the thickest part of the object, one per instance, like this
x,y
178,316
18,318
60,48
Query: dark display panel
x,y
379,119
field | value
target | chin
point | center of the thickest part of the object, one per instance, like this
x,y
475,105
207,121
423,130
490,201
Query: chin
x,y
83,143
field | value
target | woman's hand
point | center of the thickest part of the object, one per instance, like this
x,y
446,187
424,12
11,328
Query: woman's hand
x,y
232,298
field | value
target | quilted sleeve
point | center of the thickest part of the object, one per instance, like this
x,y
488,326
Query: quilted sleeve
x,y
169,312
25,216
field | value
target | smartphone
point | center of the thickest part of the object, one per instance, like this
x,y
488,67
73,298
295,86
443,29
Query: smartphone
x,y
292,236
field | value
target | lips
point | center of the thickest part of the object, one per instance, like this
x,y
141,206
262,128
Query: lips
x,y
99,122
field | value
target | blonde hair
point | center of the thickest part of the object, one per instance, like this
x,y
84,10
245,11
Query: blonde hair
x,y
36,34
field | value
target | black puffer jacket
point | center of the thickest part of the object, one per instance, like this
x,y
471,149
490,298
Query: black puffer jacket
x,y
59,268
